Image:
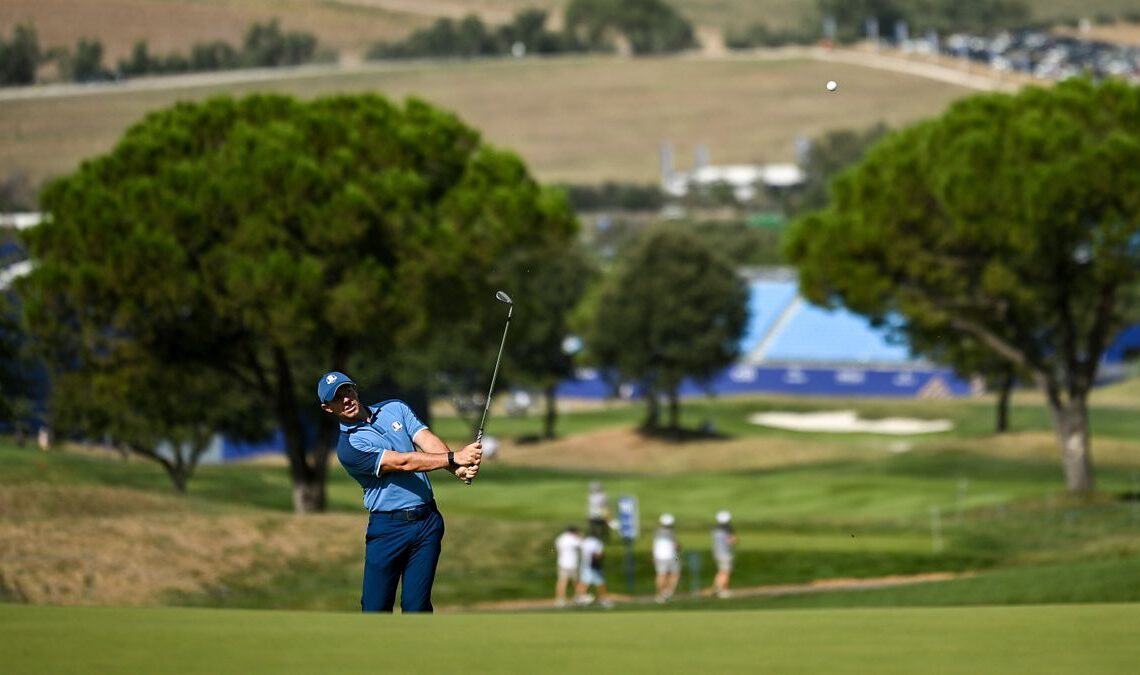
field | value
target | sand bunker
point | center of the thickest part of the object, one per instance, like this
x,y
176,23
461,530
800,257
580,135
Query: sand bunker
x,y
847,421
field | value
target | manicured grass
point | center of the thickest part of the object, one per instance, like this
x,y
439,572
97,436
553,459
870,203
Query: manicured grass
x,y
1107,581
861,512
971,418
1042,639
847,520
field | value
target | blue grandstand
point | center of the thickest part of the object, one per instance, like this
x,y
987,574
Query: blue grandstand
x,y
791,346
814,334
766,300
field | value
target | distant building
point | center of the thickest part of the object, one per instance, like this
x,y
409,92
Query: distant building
x,y
13,260
21,221
745,180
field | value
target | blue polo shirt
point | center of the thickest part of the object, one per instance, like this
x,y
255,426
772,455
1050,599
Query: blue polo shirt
x,y
362,445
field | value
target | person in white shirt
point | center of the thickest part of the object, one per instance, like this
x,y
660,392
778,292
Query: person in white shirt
x,y
724,548
590,570
666,557
568,545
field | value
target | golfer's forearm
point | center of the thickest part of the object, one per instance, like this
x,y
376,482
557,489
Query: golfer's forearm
x,y
413,461
430,443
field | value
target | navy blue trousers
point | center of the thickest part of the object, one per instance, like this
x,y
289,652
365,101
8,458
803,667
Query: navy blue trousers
x,y
401,549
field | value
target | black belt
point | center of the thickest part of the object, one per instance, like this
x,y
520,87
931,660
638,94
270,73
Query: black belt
x,y
415,513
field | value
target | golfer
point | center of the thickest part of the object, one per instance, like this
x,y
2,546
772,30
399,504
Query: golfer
x,y
378,447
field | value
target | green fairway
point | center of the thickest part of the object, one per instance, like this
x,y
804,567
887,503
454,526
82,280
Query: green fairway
x,y
1041,639
807,507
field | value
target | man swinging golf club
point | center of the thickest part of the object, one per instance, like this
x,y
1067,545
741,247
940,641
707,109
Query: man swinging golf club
x,y
389,451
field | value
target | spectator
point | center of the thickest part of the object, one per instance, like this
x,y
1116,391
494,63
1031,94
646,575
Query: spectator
x,y
598,510
518,403
666,558
568,545
724,547
590,572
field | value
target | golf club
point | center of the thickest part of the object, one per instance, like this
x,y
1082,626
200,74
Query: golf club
x,y
501,297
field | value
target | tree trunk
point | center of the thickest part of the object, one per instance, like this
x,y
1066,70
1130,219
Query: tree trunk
x,y
178,475
653,409
309,497
1071,423
551,412
674,410
307,469
1005,387
177,469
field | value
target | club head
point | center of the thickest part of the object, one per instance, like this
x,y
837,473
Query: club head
x,y
503,297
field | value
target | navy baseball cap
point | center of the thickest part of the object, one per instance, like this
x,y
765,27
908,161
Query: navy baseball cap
x,y
329,383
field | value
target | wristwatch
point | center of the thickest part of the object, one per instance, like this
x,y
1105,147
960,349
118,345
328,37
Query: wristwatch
x,y
451,460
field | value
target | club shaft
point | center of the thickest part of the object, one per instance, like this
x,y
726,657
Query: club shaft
x,y
494,376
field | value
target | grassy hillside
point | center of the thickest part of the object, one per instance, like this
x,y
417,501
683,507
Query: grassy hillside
x,y
175,25
573,120
351,25
1087,639
579,120
84,527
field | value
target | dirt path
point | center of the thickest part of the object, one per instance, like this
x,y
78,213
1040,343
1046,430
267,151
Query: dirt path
x,y
942,68
817,586
945,70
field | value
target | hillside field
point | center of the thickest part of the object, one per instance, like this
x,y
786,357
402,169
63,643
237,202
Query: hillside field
x,y
349,26
573,120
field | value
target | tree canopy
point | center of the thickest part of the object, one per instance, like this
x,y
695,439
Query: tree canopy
x,y
830,154
941,15
20,56
547,285
1012,218
675,310
268,240
19,371
650,26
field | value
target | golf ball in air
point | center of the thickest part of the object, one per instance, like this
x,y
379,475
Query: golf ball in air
x,y
832,85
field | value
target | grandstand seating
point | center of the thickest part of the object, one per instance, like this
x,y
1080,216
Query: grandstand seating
x,y
815,334
792,346
767,299
784,328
